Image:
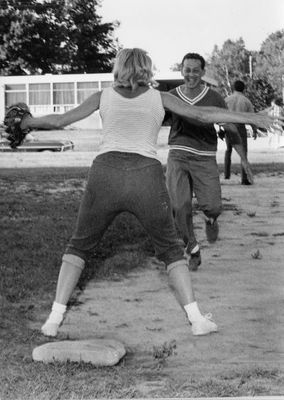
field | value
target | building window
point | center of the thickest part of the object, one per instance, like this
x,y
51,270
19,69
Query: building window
x,y
15,94
106,84
39,94
85,89
64,93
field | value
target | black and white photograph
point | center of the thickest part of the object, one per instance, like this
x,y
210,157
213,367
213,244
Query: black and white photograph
x,y
141,199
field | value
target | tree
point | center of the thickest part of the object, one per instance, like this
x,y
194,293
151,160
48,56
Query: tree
x,y
233,61
269,61
259,91
89,37
55,36
32,37
229,63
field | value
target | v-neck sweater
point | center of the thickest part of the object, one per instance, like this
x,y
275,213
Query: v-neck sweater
x,y
190,135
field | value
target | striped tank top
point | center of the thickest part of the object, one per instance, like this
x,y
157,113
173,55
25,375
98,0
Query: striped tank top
x,y
131,125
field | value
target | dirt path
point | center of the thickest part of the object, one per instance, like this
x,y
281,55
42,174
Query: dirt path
x,y
240,281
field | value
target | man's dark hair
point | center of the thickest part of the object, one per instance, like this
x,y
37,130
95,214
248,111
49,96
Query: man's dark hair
x,y
194,56
239,86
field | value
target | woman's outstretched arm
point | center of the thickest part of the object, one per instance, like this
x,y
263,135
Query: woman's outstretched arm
x,y
56,121
214,114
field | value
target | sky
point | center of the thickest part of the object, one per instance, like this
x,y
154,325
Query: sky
x,y
168,29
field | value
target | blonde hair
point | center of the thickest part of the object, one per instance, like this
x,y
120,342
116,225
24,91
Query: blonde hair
x,y
133,68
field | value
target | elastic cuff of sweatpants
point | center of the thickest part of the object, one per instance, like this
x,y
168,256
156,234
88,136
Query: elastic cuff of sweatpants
x,y
176,264
76,261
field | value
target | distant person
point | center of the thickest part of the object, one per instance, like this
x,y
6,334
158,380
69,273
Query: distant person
x,y
127,176
238,102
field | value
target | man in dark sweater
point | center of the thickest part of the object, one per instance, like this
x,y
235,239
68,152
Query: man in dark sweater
x,y
191,164
237,101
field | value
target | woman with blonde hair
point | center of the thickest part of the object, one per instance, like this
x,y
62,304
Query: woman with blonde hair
x,y
127,176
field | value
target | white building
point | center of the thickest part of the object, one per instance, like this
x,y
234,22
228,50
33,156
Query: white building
x,y
46,94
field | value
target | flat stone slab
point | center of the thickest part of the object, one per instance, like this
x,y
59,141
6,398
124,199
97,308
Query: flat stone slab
x,y
99,352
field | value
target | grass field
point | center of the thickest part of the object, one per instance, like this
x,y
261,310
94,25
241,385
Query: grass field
x,y
38,212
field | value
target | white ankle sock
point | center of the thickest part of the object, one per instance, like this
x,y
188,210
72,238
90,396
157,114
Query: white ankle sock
x,y
57,313
193,312
61,308
55,318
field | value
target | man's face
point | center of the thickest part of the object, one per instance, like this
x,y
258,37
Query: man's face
x,y
192,72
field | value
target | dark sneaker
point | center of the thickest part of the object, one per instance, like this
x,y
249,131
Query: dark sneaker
x,y
212,230
194,261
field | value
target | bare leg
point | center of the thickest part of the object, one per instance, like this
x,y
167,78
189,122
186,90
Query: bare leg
x,y
69,275
180,282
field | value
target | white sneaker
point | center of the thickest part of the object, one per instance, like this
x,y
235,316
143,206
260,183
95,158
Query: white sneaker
x,y
204,326
50,329
52,324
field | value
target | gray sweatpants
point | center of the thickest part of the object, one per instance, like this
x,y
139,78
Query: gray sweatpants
x,y
188,173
